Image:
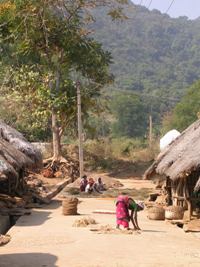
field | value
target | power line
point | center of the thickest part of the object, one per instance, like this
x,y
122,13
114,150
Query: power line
x,y
170,6
151,1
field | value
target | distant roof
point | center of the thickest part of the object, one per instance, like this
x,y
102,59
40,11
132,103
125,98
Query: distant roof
x,y
181,157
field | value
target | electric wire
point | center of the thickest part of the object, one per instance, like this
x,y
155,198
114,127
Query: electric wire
x,y
150,3
172,2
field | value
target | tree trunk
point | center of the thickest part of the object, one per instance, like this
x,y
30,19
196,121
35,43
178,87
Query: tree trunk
x,y
56,132
56,137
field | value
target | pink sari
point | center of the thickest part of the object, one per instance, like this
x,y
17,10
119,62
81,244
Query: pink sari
x,y
122,212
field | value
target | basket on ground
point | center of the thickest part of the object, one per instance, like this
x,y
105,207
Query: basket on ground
x,y
174,213
69,206
156,213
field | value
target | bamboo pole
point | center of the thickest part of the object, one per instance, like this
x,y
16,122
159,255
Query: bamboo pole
x,y
80,136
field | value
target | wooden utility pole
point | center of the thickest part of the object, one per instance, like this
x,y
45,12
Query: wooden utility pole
x,y
150,131
80,136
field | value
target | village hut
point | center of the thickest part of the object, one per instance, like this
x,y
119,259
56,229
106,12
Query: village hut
x,y
179,165
16,155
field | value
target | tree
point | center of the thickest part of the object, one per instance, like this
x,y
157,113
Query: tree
x,y
186,111
130,117
47,41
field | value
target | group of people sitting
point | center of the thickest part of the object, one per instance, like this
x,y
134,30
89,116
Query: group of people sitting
x,y
90,186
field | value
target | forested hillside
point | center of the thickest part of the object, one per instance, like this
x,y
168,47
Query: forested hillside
x,y
155,59
153,54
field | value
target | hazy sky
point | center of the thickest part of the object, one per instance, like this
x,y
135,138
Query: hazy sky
x,y
189,8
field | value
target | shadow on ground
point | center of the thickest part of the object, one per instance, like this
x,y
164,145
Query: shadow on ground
x,y
39,216
153,231
28,260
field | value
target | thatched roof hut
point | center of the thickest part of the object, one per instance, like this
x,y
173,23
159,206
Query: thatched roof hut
x,y
180,163
181,157
16,155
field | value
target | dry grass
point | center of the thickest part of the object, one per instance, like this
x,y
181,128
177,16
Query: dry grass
x,y
84,222
107,229
103,154
4,239
140,194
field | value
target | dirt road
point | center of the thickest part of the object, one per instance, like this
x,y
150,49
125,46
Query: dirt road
x,y
46,238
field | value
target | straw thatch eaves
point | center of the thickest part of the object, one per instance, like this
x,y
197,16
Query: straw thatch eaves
x,y
181,158
16,155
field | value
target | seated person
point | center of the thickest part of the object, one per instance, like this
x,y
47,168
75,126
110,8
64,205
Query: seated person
x,y
99,184
91,187
83,183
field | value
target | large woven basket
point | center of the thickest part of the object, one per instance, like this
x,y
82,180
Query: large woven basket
x,y
69,206
174,213
156,213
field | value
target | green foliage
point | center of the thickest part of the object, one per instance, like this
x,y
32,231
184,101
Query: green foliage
x,y
185,112
130,116
124,147
117,153
43,44
35,127
154,55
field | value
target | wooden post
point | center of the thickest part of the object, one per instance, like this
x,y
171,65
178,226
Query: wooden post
x,y
189,204
56,137
150,131
80,136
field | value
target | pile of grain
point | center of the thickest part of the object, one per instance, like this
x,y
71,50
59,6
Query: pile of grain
x,y
4,239
107,229
84,222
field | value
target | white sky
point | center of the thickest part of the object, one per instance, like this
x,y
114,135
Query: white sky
x,y
189,8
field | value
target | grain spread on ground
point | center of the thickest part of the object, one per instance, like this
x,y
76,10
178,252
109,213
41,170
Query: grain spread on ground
x,y
84,222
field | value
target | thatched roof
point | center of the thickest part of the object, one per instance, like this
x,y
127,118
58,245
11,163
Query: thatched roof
x,y
181,157
16,153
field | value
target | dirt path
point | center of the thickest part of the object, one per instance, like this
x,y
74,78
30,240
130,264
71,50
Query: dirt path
x,y
46,238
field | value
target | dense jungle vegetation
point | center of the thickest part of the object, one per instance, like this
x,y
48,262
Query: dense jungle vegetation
x,y
155,57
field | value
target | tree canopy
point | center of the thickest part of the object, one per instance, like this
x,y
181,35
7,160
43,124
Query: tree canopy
x,y
43,44
130,118
186,111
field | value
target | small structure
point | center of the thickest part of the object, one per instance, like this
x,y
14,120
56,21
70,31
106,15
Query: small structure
x,y
168,138
179,165
16,155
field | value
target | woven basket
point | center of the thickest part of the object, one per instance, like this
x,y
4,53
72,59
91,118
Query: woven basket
x,y
156,213
174,213
69,206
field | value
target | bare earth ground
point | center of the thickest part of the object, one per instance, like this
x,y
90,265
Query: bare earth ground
x,y
46,238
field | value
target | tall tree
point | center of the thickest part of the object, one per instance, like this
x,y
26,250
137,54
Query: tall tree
x,y
48,41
